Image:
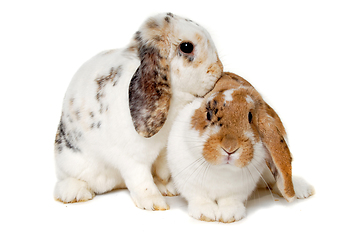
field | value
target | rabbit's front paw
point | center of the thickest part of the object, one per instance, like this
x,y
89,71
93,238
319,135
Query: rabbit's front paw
x,y
166,188
231,211
206,210
302,188
71,190
150,201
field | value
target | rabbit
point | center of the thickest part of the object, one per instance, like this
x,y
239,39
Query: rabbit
x,y
120,105
221,145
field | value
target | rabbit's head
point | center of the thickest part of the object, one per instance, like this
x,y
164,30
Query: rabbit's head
x,y
177,56
237,126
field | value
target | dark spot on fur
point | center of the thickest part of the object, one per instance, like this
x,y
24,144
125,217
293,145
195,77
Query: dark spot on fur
x,y
188,57
69,118
167,19
152,24
157,38
170,14
92,125
77,114
112,77
131,49
66,139
138,36
188,20
212,112
101,108
209,115
92,115
98,124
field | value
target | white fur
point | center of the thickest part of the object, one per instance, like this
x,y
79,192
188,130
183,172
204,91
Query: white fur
x,y
214,192
249,99
302,188
112,154
228,95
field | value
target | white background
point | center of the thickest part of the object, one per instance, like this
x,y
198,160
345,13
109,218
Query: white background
x,y
303,56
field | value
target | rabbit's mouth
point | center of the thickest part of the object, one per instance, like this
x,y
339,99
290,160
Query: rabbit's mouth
x,y
230,158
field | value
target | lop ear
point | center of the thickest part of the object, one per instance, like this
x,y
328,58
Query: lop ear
x,y
272,134
149,92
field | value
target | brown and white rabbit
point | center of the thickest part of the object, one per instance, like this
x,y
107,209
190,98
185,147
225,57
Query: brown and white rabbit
x,y
221,145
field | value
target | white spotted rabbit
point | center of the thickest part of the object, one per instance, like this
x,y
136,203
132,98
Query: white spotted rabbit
x,y
120,105
221,145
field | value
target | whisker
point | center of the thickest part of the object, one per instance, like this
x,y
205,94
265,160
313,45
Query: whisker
x,y
247,183
245,175
188,166
254,182
194,147
207,167
267,185
196,170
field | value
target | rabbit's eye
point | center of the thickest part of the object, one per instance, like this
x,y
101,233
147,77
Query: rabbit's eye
x,y
250,117
186,47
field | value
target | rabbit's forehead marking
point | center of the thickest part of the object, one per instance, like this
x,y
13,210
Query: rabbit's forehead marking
x,y
249,99
228,95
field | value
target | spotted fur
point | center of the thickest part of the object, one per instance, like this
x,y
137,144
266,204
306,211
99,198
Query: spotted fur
x,y
66,139
149,91
112,78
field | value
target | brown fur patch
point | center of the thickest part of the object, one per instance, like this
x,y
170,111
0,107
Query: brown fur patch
x,y
214,68
157,208
280,162
199,38
152,23
206,219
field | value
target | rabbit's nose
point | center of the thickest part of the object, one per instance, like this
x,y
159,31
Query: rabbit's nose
x,y
230,144
230,152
